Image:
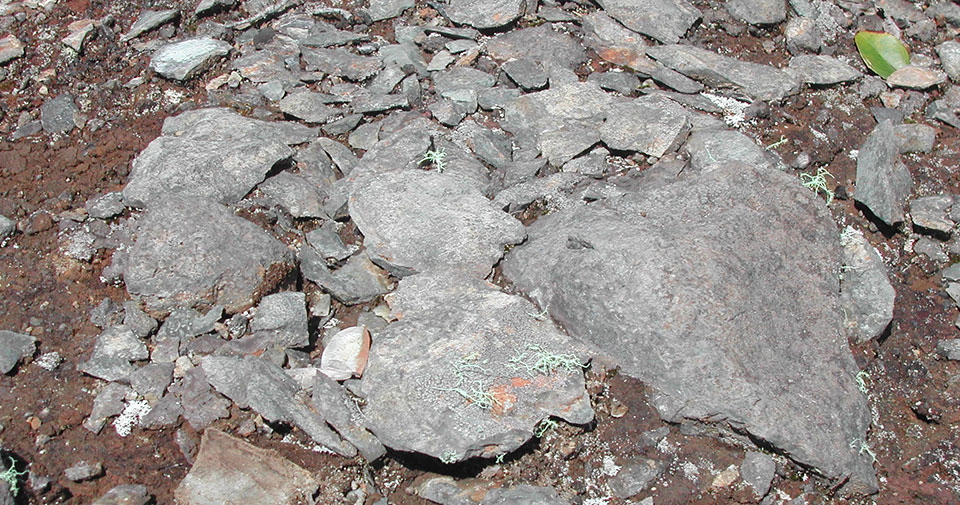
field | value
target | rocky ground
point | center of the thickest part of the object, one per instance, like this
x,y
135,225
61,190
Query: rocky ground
x,y
477,252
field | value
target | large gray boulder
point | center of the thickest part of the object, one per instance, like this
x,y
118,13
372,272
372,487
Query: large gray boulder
x,y
193,252
414,221
214,153
457,375
761,82
721,293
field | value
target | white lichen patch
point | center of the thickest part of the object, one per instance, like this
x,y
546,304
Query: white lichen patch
x,y
734,111
131,416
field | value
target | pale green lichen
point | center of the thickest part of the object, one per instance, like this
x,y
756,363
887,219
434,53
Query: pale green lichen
x,y
10,476
435,158
545,426
818,183
535,360
470,385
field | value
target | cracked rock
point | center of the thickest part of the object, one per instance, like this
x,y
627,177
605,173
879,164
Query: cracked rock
x,y
184,60
867,295
883,182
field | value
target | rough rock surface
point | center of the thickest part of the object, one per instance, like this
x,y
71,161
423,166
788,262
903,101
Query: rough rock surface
x,y
415,221
664,20
214,153
14,347
229,470
185,59
451,378
191,252
483,14
683,286
868,296
883,182
758,12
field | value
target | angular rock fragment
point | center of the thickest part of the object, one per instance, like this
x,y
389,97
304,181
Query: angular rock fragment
x,y
386,9
933,213
540,44
59,114
483,14
185,59
461,373
635,476
911,77
949,53
79,30
758,12
229,470
308,106
10,48
295,194
758,471
148,20
683,285
550,188
115,348
211,153
345,353
414,221
264,387
126,494
357,281
761,82
328,244
83,470
822,70
949,349
13,348
651,125
191,252
883,182
105,206
915,137
281,319
867,295
711,149
664,20
332,402
528,74
340,63
447,491
108,403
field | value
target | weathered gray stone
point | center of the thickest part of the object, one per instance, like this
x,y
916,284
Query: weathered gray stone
x,y
207,6
523,495
7,227
949,349
59,114
541,44
151,380
761,82
903,12
867,294
933,213
496,97
264,387
323,34
700,293
883,182
635,476
414,221
758,12
201,405
108,403
112,353
212,153
758,471
920,78
126,494
10,48
711,149
802,35
822,70
331,401
83,470
191,252
624,83
549,188
931,248
229,470
528,74
915,137
308,106
370,103
281,318
181,325
13,348
664,20
949,53
264,66
79,30
185,59
386,9
357,281
462,78
404,56
298,196
652,125
105,206
148,20
328,243
168,410
340,63
453,378
483,14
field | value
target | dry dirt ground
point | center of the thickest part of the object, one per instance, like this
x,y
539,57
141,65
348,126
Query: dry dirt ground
x,y
913,393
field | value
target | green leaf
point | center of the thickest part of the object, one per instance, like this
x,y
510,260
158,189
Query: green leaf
x,y
882,52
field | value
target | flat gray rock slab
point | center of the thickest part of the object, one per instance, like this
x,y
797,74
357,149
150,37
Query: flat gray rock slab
x,y
949,53
193,252
295,194
652,125
415,221
540,44
483,14
635,476
148,20
822,70
386,9
7,227
59,114
758,12
10,48
229,470
330,400
185,59
357,281
758,470
260,385
761,82
281,318
308,106
883,181
13,348
934,213
664,20
340,63
683,286
455,376
709,149
112,353
867,294
210,153
126,494
447,491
